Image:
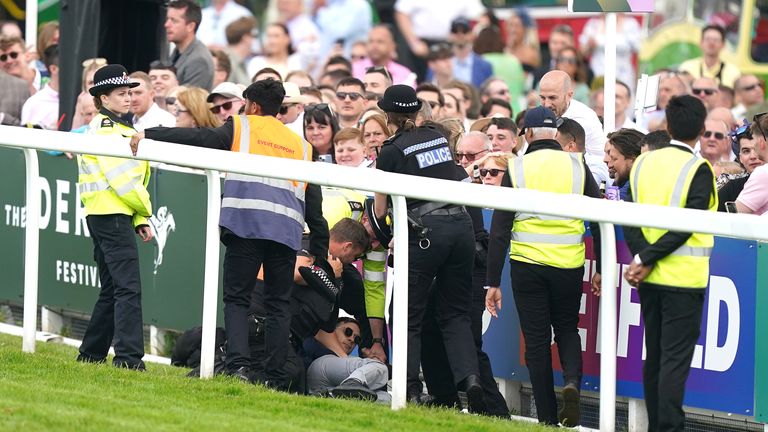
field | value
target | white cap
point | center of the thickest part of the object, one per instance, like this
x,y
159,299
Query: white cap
x,y
226,89
293,94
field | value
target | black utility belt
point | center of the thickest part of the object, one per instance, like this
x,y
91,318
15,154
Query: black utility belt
x,y
436,209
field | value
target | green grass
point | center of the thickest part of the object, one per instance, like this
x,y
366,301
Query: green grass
x,y
49,390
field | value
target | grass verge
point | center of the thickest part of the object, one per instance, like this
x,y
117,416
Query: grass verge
x,y
49,390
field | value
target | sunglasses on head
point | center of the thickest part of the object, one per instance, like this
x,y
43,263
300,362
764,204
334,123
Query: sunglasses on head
x,y
348,332
379,69
323,107
706,91
13,55
717,135
226,106
756,120
492,171
743,131
99,61
353,96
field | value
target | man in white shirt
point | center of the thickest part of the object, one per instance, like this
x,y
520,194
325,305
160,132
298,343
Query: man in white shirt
x,y
146,113
42,108
216,18
556,94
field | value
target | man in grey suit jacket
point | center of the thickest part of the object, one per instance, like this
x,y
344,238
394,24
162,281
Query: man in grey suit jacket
x,y
192,59
14,91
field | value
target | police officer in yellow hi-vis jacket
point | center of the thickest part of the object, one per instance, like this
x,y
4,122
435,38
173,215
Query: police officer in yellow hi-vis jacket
x,y
114,193
546,265
671,269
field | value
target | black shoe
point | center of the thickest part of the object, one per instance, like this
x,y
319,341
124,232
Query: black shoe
x,y
570,414
353,389
475,395
132,366
85,358
422,399
243,373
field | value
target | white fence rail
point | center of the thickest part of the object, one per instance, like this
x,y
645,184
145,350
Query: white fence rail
x,y
605,212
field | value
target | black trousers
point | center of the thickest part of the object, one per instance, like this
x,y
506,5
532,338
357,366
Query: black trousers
x,y
547,299
672,325
448,261
242,261
117,312
434,359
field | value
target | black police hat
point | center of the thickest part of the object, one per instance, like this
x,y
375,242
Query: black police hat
x,y
109,77
400,99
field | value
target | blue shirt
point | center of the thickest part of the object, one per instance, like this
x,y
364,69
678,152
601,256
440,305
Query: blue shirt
x,y
462,69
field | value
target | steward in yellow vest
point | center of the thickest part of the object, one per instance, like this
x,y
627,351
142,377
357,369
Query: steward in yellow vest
x,y
114,193
262,221
671,269
547,265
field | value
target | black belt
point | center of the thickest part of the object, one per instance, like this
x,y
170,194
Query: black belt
x,y
437,209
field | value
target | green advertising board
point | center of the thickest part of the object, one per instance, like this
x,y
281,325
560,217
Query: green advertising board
x,y
172,264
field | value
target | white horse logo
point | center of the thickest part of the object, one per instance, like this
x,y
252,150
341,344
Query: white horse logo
x,y
162,224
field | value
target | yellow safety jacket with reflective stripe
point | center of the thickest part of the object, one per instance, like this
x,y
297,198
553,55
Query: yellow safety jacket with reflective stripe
x,y
339,203
547,240
111,185
663,177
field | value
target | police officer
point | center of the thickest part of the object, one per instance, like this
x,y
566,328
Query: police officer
x,y
671,268
114,193
546,265
262,221
441,245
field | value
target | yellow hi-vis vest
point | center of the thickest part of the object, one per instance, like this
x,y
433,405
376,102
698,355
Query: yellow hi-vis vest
x,y
110,185
663,177
339,203
548,240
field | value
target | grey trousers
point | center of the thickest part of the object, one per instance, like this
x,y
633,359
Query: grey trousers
x,y
330,371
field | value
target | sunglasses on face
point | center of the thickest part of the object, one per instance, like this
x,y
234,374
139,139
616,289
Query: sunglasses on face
x,y
170,100
492,171
348,332
717,135
353,96
226,106
569,60
706,91
284,108
379,69
752,87
469,156
13,55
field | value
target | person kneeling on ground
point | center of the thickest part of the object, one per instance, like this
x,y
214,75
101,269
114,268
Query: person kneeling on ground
x,y
332,372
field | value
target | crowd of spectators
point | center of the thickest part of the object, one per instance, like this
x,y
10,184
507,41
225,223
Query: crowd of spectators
x,y
475,75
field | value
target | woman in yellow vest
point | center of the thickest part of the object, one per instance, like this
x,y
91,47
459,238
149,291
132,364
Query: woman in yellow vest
x,y
114,193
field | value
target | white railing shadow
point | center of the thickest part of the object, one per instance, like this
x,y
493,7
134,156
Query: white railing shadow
x,y
398,186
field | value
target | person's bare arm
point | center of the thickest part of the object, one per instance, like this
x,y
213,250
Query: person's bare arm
x,y
406,28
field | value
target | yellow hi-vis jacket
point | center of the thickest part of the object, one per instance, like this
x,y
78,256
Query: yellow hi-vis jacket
x,y
547,240
110,185
663,177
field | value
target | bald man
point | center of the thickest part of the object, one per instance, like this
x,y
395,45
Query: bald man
x,y
556,93
381,50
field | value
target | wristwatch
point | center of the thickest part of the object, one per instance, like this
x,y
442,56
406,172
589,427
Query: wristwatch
x,y
379,340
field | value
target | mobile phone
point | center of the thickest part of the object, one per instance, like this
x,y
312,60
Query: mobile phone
x,y
730,207
325,158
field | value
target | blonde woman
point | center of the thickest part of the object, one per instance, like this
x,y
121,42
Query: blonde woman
x,y
374,132
193,110
493,167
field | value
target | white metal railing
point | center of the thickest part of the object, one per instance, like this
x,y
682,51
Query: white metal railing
x,y
398,186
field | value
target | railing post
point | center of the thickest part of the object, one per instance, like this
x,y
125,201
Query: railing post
x,y
400,299
211,278
31,250
608,322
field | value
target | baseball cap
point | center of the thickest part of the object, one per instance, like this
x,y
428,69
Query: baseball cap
x,y
227,90
460,25
538,117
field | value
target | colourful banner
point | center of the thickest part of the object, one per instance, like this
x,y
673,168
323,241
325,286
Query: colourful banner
x,y
722,372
